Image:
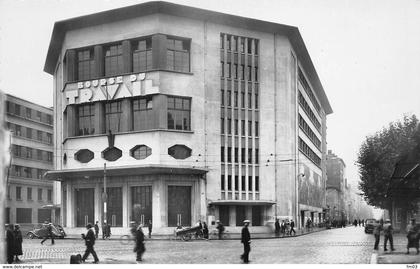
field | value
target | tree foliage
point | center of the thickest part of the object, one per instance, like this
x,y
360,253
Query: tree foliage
x,y
378,155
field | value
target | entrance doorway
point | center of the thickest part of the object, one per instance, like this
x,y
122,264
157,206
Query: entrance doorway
x,y
114,206
179,206
141,204
84,206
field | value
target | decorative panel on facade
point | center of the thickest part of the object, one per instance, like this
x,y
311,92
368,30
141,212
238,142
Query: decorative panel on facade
x,y
84,155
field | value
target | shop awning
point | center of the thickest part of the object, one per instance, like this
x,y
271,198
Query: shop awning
x,y
60,175
242,202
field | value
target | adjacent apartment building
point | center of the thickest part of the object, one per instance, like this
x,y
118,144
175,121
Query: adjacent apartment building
x,y
191,114
28,192
336,188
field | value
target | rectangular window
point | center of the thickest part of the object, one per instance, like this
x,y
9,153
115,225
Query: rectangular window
x,y
85,64
249,73
256,128
256,47
39,194
222,182
242,45
222,41
222,93
229,70
86,119
256,101
243,127
243,155
39,154
236,183
29,153
18,170
27,172
142,55
18,193
229,182
178,55
222,125
236,127
39,135
17,109
235,43
49,157
242,72
228,44
256,156
235,71
113,60
250,183
49,119
243,183
18,130
179,113
38,115
235,99
28,113
249,100
249,155
49,138
249,128
236,155
256,74
113,113
257,183
229,98
17,150
29,194
229,155
222,65
49,195
143,114
8,107
229,126
29,133
242,100
222,154
249,46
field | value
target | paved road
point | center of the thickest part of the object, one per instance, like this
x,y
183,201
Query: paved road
x,y
347,245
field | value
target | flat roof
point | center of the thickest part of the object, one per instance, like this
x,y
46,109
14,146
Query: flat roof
x,y
125,13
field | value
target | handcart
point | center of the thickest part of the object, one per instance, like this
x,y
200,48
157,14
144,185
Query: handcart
x,y
187,233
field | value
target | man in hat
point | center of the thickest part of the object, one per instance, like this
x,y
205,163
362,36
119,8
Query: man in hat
x,y
10,241
89,242
388,235
246,240
139,247
50,234
220,228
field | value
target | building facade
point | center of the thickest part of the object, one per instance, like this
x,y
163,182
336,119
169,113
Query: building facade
x,y
4,162
28,193
191,115
337,189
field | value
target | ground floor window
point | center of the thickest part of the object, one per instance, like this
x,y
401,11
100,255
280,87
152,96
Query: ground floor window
x,y
179,206
114,206
44,215
240,215
141,204
24,215
224,214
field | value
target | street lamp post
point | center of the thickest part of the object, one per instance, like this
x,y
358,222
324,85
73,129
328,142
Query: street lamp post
x,y
299,175
104,196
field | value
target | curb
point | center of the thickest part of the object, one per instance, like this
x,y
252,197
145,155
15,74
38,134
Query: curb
x,y
374,258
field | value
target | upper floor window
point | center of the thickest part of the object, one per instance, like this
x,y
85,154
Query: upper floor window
x,y
142,114
113,60
28,112
17,109
178,55
142,55
179,113
113,112
85,64
86,119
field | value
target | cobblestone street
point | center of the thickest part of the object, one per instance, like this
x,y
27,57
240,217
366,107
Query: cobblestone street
x,y
347,245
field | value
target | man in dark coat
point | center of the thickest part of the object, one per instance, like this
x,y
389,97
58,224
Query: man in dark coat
x,y
388,235
18,242
50,234
246,240
220,228
150,226
10,240
205,231
292,228
377,233
277,228
89,242
96,230
139,248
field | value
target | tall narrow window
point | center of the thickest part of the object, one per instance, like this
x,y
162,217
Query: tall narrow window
x,y
229,126
222,154
179,113
113,113
236,153
236,127
29,194
178,55
229,155
243,127
222,92
29,133
229,98
243,183
86,119
17,109
113,60
235,99
250,183
249,128
142,55
142,114
85,64
257,183
236,183
28,113
18,193
222,125
256,128
229,182
222,182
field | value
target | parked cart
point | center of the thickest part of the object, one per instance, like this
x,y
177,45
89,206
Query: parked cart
x,y
187,233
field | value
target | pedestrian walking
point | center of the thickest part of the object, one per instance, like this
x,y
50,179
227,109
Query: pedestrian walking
x,y
292,227
412,236
246,240
220,228
355,223
277,228
150,226
50,234
106,230
139,247
283,228
96,229
18,239
363,222
205,231
89,242
377,233
388,235
199,233
10,241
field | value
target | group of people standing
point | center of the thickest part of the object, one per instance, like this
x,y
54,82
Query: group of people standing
x,y
14,241
286,227
358,222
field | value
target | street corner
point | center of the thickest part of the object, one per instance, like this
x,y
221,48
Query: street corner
x,y
397,257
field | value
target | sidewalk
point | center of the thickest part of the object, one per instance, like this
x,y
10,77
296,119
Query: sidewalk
x,y
398,256
231,236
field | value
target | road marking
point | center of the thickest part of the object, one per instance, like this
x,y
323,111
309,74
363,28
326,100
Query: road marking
x,y
374,258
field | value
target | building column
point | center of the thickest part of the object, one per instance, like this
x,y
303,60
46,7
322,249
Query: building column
x,y
125,204
202,195
158,204
69,206
98,205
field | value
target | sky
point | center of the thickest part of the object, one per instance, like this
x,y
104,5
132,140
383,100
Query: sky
x,y
366,53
